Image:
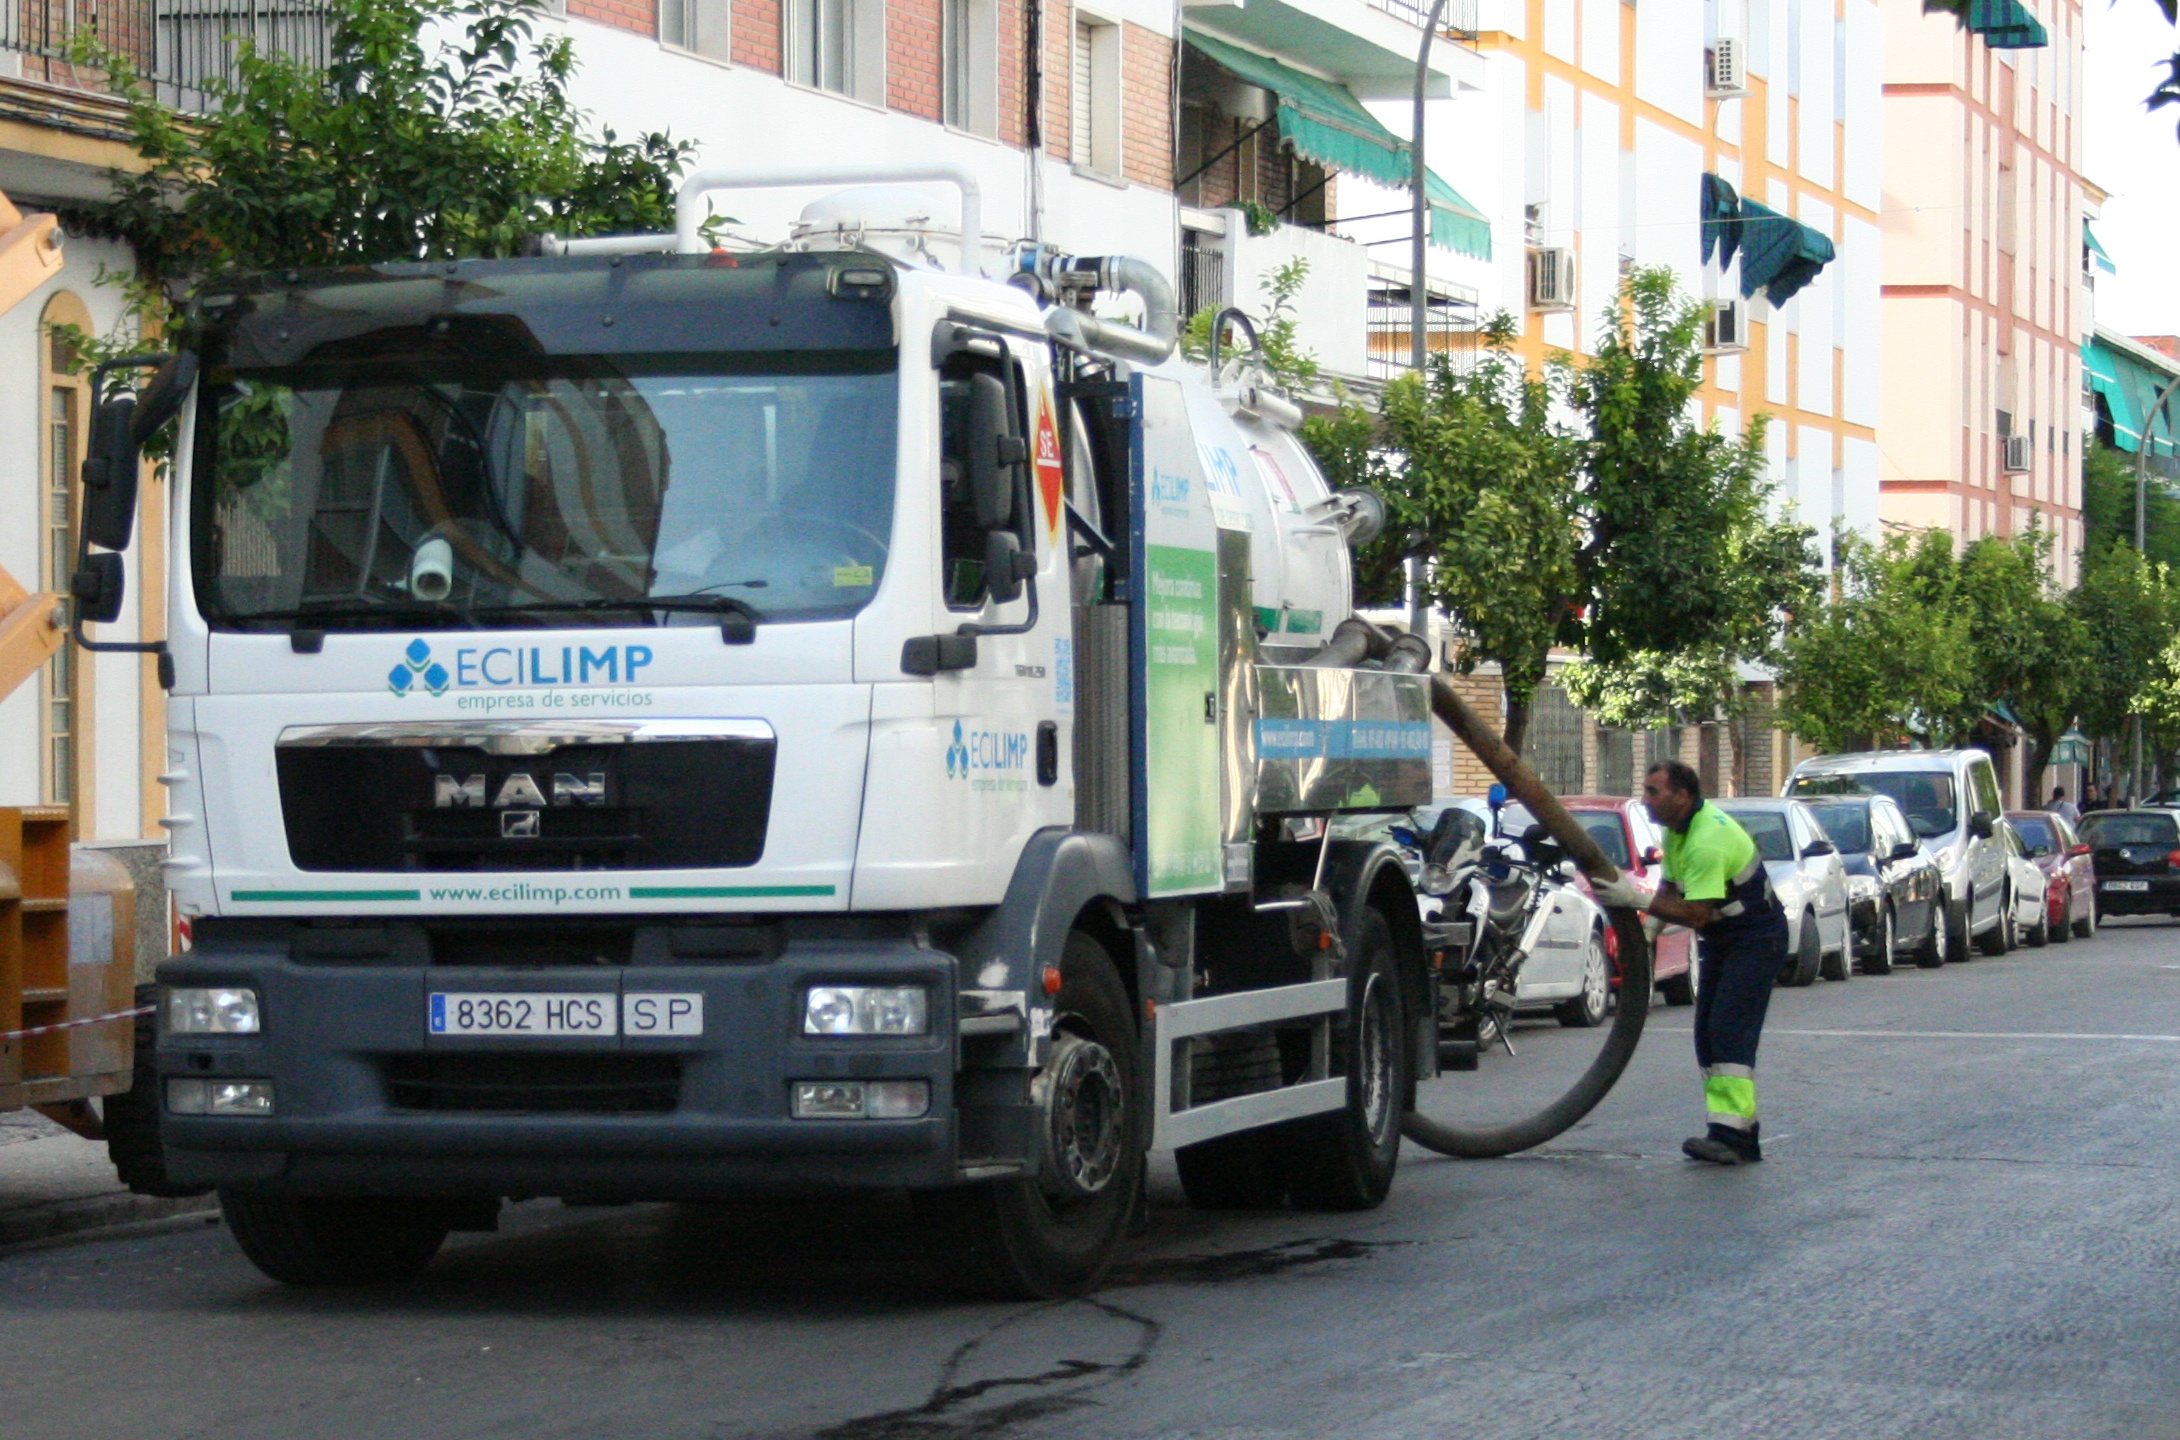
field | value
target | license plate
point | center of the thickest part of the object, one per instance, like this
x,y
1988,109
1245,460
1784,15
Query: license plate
x,y
549,1013
2127,885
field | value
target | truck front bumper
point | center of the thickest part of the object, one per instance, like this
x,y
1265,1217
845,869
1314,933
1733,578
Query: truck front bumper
x,y
366,1101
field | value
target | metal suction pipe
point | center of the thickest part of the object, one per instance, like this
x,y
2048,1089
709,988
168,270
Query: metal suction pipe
x,y
689,213
1152,344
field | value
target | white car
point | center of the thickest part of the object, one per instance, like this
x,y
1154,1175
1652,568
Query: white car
x,y
2028,918
1811,882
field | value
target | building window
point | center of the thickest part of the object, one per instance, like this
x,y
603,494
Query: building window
x,y
65,711
700,27
1095,97
971,66
838,45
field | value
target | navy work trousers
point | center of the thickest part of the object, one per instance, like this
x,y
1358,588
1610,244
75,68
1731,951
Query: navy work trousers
x,y
1741,962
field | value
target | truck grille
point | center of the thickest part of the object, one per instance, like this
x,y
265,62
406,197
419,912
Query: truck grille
x,y
358,804
572,1083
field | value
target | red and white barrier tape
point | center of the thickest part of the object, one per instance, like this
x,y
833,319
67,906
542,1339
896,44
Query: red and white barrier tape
x,y
72,1024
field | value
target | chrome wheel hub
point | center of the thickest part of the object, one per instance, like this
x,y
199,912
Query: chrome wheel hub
x,y
1085,1108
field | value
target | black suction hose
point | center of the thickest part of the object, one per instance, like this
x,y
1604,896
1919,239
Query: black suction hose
x,y
1489,1142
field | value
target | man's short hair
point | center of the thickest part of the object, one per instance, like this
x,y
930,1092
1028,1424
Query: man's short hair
x,y
1680,776
2058,792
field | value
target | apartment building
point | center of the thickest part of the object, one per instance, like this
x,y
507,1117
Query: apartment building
x,y
1063,111
88,732
1986,301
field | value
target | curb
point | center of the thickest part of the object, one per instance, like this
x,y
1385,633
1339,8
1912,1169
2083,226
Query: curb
x,y
94,1213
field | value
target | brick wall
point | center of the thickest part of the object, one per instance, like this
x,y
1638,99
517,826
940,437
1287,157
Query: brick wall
x,y
1059,81
1013,24
912,57
640,16
1146,107
757,35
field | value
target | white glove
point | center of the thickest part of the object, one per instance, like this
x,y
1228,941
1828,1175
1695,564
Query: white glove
x,y
1619,893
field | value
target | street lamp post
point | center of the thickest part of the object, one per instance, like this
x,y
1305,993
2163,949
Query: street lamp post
x,y
1419,293
1418,288
2142,516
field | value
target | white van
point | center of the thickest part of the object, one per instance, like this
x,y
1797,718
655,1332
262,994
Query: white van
x,y
1952,801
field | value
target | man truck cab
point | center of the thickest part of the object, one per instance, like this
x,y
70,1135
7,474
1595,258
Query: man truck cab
x,y
651,722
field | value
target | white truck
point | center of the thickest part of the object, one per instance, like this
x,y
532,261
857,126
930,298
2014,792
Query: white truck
x,y
650,722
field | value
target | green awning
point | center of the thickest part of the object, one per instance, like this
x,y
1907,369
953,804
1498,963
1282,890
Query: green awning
x,y
2129,388
2101,260
1455,224
1325,123
1779,254
2006,25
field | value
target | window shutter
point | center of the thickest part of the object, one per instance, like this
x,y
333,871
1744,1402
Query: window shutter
x,y
1080,99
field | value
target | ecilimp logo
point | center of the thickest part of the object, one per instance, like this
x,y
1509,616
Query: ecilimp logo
x,y
417,668
957,756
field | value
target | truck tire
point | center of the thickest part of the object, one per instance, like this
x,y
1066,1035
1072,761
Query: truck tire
x,y
1345,1160
1055,1233
133,1118
309,1240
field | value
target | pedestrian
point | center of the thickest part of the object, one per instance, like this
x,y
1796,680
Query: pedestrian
x,y
2061,808
1715,883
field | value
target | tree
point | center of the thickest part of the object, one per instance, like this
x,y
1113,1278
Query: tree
x,y
1890,655
2108,505
2128,611
1492,484
395,150
2030,647
1632,534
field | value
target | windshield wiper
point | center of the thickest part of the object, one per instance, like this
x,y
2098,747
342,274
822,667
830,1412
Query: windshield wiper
x,y
414,609
737,624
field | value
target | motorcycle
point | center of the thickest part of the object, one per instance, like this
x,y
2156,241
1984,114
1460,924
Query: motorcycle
x,y
1496,902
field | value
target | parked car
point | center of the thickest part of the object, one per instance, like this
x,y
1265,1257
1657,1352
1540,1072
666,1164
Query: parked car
x,y
2137,858
1895,895
2068,871
1951,799
2028,920
1633,842
1811,882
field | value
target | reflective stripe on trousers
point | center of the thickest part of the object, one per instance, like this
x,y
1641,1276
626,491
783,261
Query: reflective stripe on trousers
x,y
1729,1094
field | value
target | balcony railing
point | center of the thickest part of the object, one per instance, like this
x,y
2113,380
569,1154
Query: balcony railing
x,y
181,46
1460,17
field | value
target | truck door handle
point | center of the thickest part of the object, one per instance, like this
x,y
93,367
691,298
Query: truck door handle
x,y
1048,752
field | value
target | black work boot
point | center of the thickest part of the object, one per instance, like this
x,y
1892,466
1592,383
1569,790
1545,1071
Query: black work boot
x,y
1725,1145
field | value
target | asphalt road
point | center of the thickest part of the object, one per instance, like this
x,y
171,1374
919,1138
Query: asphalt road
x,y
1967,1227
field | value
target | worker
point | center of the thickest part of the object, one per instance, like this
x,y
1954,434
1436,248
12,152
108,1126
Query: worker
x,y
1715,883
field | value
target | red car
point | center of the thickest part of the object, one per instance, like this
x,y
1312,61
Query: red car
x,y
2070,892
1624,830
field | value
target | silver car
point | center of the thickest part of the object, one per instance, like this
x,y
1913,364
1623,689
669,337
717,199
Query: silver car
x,y
1811,882
1952,800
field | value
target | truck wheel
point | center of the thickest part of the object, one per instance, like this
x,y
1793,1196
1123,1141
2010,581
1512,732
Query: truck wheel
x,y
1055,1233
1345,1160
133,1118
309,1240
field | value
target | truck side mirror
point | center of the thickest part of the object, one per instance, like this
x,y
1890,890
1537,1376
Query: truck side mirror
x,y
1006,565
97,587
994,453
1980,824
109,475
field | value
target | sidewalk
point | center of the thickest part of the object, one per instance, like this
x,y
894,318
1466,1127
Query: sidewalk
x,y
53,1183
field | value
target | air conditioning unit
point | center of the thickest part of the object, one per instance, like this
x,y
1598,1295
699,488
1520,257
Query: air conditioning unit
x,y
1726,64
2019,453
1726,329
1551,278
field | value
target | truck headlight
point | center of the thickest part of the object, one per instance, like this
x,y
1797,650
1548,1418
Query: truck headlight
x,y
221,1010
220,1097
866,1010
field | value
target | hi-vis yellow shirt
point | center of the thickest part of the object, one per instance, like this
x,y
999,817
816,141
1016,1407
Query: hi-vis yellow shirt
x,y
1704,858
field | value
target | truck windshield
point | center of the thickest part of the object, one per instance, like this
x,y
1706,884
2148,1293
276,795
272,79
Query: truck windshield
x,y
419,491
